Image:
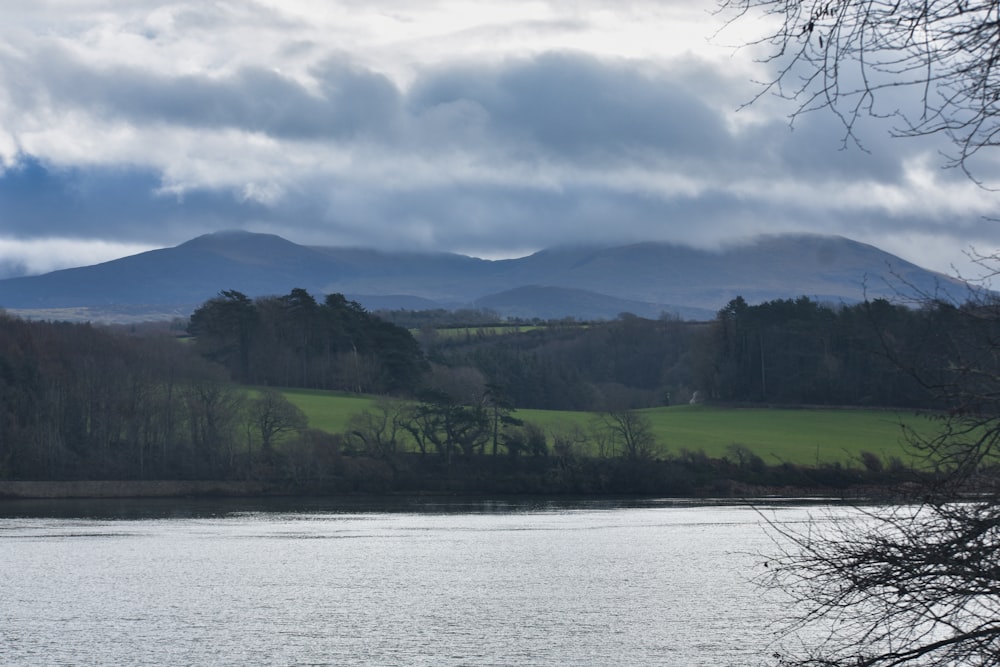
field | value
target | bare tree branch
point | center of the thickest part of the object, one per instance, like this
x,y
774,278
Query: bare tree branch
x,y
937,58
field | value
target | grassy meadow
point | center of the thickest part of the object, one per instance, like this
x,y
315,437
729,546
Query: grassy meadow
x,y
804,436
801,436
328,410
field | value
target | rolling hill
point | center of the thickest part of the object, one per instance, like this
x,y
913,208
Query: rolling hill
x,y
586,282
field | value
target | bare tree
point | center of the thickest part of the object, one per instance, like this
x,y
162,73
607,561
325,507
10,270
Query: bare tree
x,y
377,431
630,432
916,582
930,65
271,415
911,585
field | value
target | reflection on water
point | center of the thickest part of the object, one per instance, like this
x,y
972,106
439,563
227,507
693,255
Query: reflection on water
x,y
207,507
390,582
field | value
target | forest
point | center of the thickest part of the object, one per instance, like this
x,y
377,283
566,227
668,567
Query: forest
x,y
82,401
785,352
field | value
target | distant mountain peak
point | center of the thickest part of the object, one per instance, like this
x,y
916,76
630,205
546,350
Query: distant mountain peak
x,y
588,280
229,236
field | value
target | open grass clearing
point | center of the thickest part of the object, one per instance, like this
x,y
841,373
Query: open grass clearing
x,y
800,436
804,436
328,410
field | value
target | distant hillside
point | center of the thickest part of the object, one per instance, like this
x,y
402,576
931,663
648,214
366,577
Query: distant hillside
x,y
186,274
586,282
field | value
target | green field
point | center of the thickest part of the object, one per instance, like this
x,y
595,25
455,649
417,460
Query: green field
x,y
796,436
328,410
806,436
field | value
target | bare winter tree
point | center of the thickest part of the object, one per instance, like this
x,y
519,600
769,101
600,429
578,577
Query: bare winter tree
x,y
630,432
271,415
378,431
931,65
917,583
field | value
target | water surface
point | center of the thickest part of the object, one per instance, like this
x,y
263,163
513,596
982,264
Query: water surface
x,y
396,582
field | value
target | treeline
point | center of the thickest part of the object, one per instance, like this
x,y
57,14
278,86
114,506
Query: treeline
x,y
438,318
629,362
784,352
84,402
79,402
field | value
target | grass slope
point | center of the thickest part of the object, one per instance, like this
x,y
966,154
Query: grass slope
x,y
806,436
328,410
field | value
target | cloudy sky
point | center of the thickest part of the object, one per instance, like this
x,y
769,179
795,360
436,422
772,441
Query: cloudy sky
x,y
488,128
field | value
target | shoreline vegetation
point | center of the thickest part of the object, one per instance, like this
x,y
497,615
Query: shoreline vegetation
x,y
204,489
38,490
689,476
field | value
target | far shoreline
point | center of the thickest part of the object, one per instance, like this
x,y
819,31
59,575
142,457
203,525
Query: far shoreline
x,y
39,490
206,489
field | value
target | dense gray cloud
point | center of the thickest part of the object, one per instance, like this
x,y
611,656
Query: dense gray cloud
x,y
350,101
100,202
492,154
579,108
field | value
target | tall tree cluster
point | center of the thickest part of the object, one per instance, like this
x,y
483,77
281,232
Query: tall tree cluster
x,y
800,352
77,401
294,341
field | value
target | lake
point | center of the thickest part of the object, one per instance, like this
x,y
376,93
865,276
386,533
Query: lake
x,y
394,582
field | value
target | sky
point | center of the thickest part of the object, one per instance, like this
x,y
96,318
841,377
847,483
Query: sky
x,y
492,129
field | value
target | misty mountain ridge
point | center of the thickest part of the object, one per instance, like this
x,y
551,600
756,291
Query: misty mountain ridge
x,y
584,282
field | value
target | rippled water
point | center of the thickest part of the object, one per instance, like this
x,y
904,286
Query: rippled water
x,y
483,583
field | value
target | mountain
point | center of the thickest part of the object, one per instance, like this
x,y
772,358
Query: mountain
x,y
586,282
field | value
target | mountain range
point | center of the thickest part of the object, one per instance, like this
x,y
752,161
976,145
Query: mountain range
x,y
583,281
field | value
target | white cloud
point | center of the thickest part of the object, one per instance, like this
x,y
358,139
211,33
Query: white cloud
x,y
41,255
